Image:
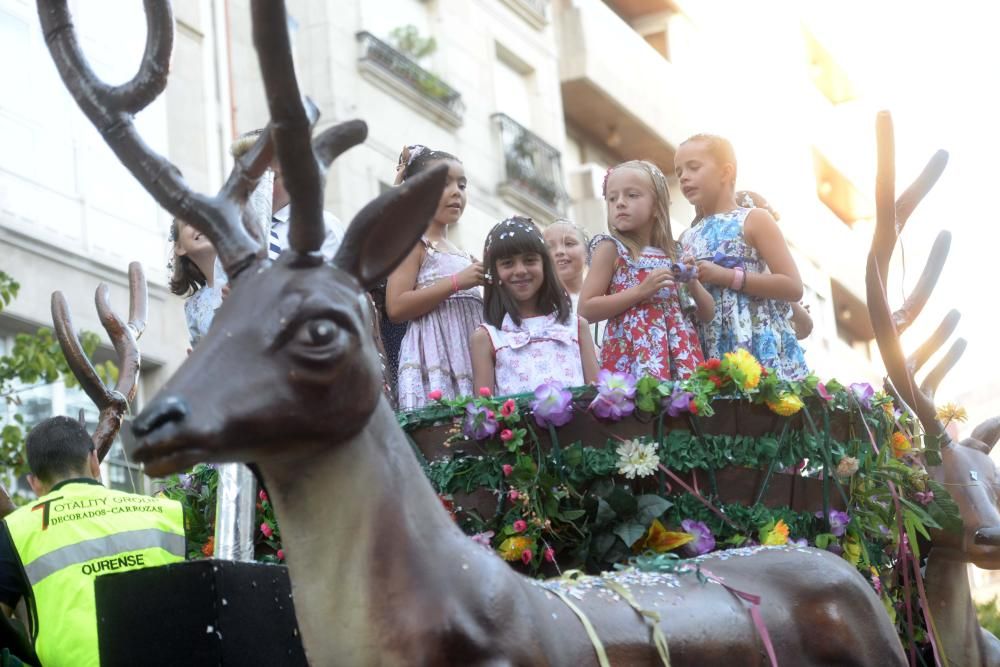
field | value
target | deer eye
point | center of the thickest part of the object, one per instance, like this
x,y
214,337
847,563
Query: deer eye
x,y
319,339
317,332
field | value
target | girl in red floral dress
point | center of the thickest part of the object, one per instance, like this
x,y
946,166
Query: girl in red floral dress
x,y
632,281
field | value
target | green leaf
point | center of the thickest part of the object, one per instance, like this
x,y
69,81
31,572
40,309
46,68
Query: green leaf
x,y
622,502
630,532
572,515
651,507
605,514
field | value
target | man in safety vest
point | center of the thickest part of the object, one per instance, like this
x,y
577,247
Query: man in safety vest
x,y
52,549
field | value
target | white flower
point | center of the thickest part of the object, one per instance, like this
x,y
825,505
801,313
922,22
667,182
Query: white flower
x,y
637,459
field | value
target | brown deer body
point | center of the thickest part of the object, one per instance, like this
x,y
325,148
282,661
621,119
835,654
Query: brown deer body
x,y
381,575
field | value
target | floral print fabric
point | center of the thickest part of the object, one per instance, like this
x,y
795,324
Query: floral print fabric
x,y
761,326
653,337
540,350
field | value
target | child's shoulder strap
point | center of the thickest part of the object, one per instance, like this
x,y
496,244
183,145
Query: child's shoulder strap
x,y
600,238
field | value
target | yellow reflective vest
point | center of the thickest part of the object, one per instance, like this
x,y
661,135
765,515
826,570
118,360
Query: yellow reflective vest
x,y
68,537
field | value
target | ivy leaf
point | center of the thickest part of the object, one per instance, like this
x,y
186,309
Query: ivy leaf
x,y
605,514
622,502
630,532
650,507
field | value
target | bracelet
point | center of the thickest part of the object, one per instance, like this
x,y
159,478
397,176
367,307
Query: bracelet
x,y
454,282
739,278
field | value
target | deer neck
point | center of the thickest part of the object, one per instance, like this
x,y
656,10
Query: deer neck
x,y
950,599
370,551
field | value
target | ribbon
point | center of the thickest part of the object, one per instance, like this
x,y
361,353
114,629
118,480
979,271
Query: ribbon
x,y
727,261
755,615
697,495
570,577
659,639
521,337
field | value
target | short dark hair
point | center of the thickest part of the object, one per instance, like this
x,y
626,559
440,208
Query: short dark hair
x,y
421,157
516,236
58,448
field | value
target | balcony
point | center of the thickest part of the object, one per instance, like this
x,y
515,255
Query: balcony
x,y
533,179
532,11
635,111
400,76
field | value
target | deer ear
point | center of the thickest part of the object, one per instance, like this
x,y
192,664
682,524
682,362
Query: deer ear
x,y
385,231
987,433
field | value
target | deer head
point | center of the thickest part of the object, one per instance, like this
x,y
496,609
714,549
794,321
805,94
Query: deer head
x,y
965,468
294,334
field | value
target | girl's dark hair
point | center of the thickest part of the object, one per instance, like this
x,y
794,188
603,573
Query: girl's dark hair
x,y
517,236
421,157
185,276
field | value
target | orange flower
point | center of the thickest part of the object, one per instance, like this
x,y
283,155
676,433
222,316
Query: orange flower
x,y
777,535
659,539
900,444
209,548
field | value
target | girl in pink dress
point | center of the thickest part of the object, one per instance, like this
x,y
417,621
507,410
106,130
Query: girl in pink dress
x,y
530,336
631,281
436,290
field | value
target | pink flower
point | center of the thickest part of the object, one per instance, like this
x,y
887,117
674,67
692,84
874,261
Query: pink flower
x,y
520,526
484,539
513,494
924,497
485,392
262,495
435,395
550,554
824,394
506,435
266,529
508,470
526,556
508,408
281,554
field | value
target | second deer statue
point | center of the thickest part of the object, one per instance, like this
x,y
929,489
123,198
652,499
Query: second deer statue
x,y
381,574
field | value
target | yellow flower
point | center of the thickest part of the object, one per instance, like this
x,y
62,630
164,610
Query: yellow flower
x,y
746,365
900,444
786,405
950,412
659,539
777,535
513,547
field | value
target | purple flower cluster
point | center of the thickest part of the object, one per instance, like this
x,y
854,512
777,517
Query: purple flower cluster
x,y
863,392
552,405
679,401
838,521
615,392
703,541
480,422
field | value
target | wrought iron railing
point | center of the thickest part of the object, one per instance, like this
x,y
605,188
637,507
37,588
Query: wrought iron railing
x,y
410,73
530,164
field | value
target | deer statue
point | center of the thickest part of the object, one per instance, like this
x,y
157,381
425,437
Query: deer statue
x,y
965,468
112,403
381,574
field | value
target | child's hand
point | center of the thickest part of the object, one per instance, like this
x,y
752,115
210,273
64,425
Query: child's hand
x,y
471,276
711,273
656,280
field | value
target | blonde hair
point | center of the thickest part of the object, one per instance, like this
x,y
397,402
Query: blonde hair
x,y
662,237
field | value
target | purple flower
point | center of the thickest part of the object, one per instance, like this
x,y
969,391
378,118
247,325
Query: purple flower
x,y
863,392
838,522
615,392
480,423
703,541
800,542
679,401
189,482
924,497
552,405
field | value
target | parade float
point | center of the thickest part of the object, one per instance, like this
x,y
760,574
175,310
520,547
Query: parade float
x,y
729,517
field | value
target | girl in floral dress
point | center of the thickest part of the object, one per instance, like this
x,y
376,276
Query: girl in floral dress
x,y
742,259
531,335
196,276
436,290
631,281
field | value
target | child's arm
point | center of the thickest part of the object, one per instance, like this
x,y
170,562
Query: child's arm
x,y
802,321
483,364
403,302
704,301
596,304
783,282
588,352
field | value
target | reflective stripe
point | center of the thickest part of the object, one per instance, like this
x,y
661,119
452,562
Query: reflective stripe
x,y
110,545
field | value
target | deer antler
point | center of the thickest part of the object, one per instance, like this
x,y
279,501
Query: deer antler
x,y
113,403
891,216
110,109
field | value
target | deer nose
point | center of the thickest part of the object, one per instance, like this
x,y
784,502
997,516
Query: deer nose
x,y
988,537
160,413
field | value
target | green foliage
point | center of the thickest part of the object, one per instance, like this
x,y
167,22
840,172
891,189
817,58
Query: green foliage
x,y
989,616
407,40
8,290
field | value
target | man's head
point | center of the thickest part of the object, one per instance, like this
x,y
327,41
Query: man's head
x,y
59,448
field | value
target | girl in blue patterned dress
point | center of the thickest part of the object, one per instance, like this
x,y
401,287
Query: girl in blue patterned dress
x,y
196,276
743,261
